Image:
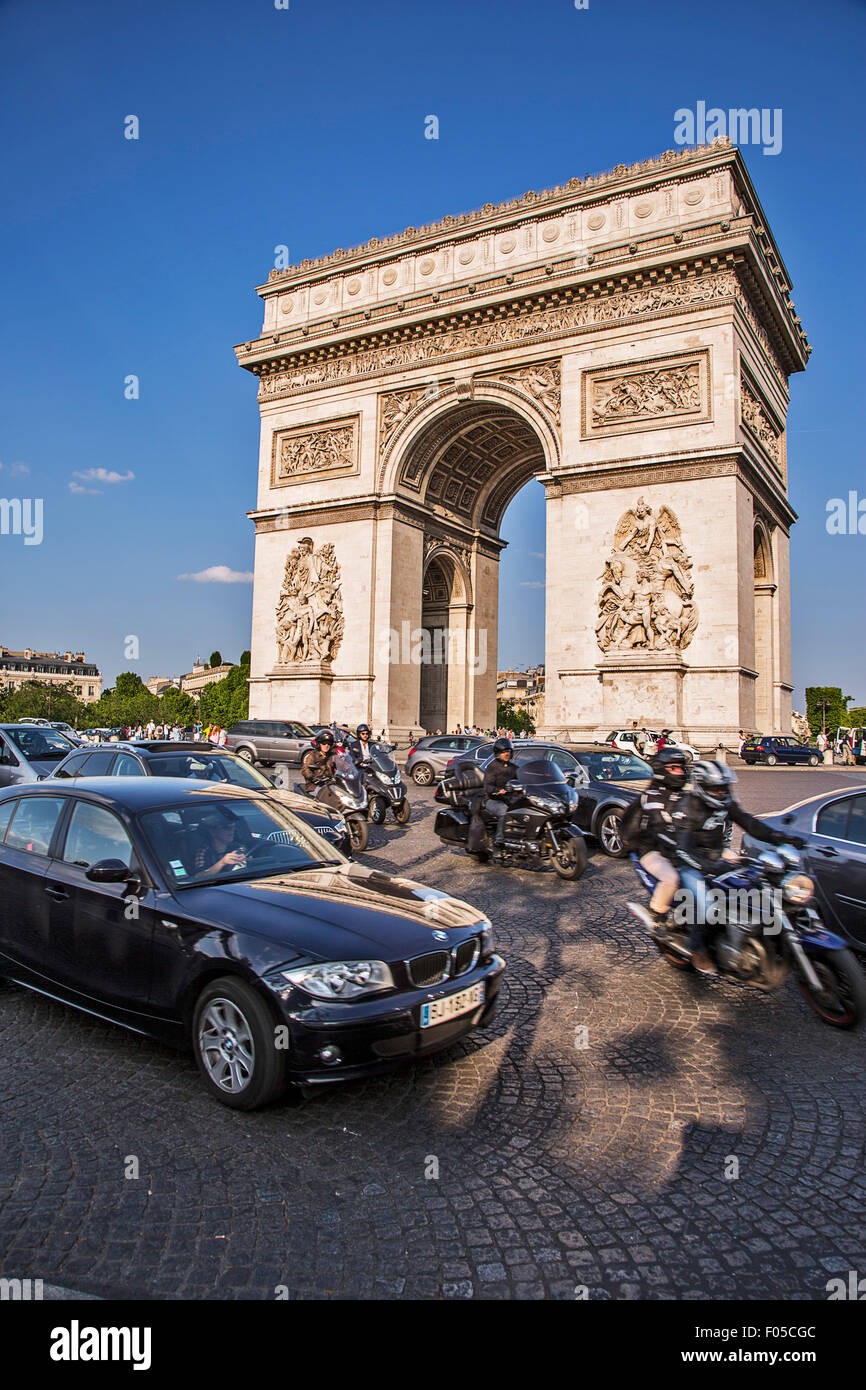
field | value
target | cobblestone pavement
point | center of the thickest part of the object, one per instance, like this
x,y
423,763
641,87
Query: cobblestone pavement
x,y
559,1167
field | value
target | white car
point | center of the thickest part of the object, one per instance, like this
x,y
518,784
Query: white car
x,y
627,741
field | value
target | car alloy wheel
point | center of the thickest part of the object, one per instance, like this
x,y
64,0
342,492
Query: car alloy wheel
x,y
813,760
610,834
422,773
247,754
226,1046
771,760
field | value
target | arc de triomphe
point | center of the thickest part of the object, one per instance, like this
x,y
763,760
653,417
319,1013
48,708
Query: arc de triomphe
x,y
627,339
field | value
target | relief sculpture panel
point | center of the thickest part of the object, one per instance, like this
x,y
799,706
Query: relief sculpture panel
x,y
646,601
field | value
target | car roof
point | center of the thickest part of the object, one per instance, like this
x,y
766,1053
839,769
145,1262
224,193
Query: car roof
x,y
135,793
130,745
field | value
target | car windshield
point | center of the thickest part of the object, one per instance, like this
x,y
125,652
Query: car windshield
x,y
213,841
540,771
615,767
39,744
209,767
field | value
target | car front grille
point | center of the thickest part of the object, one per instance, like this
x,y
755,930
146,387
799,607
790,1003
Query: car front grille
x,y
466,955
430,969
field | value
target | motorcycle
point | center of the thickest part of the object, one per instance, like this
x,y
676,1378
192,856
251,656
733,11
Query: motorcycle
x,y
756,946
352,796
538,827
385,786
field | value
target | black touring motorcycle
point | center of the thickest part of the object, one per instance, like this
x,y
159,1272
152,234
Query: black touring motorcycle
x,y
538,828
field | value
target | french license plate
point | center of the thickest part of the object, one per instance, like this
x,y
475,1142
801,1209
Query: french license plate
x,y
452,1005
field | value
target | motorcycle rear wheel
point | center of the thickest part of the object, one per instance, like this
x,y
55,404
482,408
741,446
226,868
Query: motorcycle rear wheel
x,y
359,834
842,1003
403,812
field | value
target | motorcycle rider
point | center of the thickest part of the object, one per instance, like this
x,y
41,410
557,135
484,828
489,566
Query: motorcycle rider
x,y
701,822
317,769
648,830
497,775
361,746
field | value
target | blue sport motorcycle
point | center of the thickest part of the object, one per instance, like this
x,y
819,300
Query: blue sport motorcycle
x,y
762,924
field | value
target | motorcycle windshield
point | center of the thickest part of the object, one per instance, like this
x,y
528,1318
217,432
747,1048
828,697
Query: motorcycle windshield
x,y
348,773
541,772
383,762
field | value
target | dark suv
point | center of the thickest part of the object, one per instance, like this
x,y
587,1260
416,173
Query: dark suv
x,y
270,740
775,749
606,779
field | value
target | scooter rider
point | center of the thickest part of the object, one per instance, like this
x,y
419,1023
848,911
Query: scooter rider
x,y
497,775
701,823
317,769
361,746
648,829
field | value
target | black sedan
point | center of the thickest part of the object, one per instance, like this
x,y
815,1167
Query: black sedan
x,y
213,916
605,778
834,828
204,762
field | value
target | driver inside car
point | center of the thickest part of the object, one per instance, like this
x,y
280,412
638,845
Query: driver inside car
x,y
220,847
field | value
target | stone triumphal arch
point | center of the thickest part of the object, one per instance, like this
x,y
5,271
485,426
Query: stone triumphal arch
x,y
627,339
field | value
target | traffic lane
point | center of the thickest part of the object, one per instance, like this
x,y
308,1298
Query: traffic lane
x,y
766,790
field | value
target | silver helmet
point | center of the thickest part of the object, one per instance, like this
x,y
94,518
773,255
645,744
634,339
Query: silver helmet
x,y
712,782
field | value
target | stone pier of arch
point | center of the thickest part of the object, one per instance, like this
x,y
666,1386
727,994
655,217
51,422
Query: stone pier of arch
x,y
627,340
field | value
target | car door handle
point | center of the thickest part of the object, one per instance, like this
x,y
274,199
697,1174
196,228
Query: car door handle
x,y
59,894
829,852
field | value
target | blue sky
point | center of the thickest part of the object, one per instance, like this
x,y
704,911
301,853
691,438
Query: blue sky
x,y
306,127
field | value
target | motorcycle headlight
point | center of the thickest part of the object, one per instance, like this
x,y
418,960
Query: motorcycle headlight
x,y
341,979
798,888
547,803
383,776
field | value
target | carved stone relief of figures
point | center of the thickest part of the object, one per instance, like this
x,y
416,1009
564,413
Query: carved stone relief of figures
x,y
328,448
310,608
541,380
758,421
646,600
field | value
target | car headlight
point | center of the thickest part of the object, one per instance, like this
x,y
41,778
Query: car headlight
x,y
798,888
487,943
341,979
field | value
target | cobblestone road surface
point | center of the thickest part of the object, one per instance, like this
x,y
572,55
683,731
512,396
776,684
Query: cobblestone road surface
x,y
559,1167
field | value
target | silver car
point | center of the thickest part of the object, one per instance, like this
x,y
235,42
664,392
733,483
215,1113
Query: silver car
x,y
30,751
429,757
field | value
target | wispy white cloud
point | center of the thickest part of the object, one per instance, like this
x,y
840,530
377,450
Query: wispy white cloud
x,y
79,488
104,475
16,470
219,574
532,584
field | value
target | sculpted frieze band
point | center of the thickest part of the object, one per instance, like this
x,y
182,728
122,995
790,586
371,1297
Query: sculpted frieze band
x,y
501,332
756,418
327,449
646,395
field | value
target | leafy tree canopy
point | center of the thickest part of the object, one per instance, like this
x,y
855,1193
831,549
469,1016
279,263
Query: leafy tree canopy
x,y
509,716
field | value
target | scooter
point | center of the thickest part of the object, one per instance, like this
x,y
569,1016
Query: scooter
x,y
352,796
762,924
385,786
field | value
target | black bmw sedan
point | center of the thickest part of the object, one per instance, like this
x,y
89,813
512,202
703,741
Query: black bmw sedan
x,y
213,916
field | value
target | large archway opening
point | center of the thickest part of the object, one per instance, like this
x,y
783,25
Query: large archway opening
x,y
463,468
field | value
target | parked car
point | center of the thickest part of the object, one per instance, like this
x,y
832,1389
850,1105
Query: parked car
x,y
773,749
627,740
288,965
29,751
605,778
834,828
67,731
429,757
155,758
270,740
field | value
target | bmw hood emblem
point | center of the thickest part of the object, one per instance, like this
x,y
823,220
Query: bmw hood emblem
x,y
440,936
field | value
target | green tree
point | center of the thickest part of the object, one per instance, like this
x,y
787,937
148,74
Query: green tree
x,y
826,708
228,700
215,659
176,707
246,659
509,716
856,717
39,700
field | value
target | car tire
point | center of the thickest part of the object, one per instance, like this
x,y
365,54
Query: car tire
x,y
814,760
609,833
771,760
360,833
230,1011
422,774
403,812
248,754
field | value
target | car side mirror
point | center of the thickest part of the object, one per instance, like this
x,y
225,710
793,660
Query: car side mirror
x,y
109,871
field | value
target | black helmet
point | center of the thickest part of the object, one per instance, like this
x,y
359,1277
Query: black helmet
x,y
502,745
362,729
324,738
712,782
670,766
